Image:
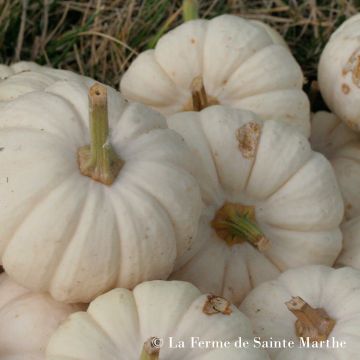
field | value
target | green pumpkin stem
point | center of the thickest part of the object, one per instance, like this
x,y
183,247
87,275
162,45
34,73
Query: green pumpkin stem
x,y
235,224
151,350
190,10
98,160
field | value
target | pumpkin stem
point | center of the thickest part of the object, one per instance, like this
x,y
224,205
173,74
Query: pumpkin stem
x,y
198,93
151,349
311,323
215,305
236,224
98,160
190,9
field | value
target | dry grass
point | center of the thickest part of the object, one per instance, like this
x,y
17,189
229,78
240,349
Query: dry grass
x,y
100,38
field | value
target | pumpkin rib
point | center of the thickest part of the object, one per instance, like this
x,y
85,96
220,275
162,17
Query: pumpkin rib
x,y
174,169
100,328
137,191
58,258
77,113
38,202
226,270
48,125
207,143
240,61
270,84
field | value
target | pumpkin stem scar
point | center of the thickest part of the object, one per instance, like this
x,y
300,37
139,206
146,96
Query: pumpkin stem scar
x,y
190,10
151,349
215,305
235,224
98,160
311,323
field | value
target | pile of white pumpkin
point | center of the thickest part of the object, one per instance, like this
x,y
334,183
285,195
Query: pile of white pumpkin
x,y
114,213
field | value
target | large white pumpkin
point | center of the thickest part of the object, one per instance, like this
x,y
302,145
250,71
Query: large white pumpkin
x,y
241,64
27,320
316,302
24,77
272,203
117,324
62,231
339,72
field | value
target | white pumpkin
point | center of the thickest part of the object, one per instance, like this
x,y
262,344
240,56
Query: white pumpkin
x,y
241,63
27,320
117,324
339,72
342,147
78,220
272,203
23,77
314,301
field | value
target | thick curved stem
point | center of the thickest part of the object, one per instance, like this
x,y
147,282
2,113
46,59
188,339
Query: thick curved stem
x,y
98,160
151,349
190,10
311,323
235,223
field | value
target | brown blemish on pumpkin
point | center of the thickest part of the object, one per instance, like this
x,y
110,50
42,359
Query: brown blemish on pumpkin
x,y
215,305
248,137
353,66
193,41
345,89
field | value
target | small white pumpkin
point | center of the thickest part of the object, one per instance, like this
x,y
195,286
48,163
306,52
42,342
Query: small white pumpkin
x,y
24,77
314,301
78,220
117,324
27,320
272,203
241,63
339,75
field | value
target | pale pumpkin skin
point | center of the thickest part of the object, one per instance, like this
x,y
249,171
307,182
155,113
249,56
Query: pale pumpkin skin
x,y
74,237
298,205
336,291
338,73
329,133
241,62
117,324
25,76
341,145
27,320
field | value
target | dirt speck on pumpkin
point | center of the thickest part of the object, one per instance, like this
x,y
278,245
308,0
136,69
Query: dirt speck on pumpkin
x,y
345,89
1,148
193,41
248,137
